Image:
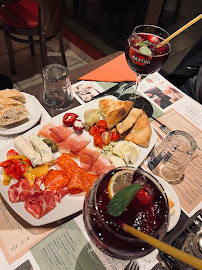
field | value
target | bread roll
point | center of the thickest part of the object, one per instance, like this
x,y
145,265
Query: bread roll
x,y
12,114
12,93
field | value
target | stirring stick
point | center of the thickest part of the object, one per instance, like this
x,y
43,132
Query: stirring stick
x,y
174,252
180,30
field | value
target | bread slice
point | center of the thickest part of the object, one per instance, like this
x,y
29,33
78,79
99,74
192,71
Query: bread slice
x,y
13,113
140,134
129,121
12,93
114,110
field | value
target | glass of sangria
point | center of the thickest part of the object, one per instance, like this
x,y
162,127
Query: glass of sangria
x,y
148,211
144,55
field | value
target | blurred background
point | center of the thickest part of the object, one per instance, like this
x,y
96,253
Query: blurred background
x,y
96,28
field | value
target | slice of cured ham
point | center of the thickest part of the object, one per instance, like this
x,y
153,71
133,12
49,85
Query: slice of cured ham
x,y
46,132
85,162
94,154
101,166
21,191
61,132
45,202
74,143
55,133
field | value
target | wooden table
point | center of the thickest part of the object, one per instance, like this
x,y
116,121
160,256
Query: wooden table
x,y
37,90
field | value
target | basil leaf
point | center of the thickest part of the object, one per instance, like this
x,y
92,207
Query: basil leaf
x,y
145,50
122,199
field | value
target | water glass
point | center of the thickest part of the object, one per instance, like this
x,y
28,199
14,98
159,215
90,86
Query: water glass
x,y
170,159
57,92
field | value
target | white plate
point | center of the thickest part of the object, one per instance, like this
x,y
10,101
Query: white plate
x,y
170,192
34,108
70,204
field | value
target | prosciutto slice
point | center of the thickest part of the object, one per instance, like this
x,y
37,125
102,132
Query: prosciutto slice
x,y
61,132
45,202
101,166
74,143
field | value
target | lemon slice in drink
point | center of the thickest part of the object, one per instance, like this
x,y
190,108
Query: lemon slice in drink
x,y
118,181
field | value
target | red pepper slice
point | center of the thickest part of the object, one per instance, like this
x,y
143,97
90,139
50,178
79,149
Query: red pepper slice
x,y
69,118
14,167
12,152
78,126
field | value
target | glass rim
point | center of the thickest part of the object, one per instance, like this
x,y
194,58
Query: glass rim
x,y
186,135
151,25
51,66
157,184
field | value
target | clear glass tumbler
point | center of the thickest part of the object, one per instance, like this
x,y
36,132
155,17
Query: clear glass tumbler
x,y
169,160
57,93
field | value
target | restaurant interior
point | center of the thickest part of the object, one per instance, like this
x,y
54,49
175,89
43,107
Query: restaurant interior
x,y
93,29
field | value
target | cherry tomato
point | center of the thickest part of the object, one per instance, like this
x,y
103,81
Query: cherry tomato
x,y
106,136
97,132
115,136
102,123
101,129
92,130
98,141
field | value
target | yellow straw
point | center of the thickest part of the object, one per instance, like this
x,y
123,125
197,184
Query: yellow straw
x,y
180,30
174,252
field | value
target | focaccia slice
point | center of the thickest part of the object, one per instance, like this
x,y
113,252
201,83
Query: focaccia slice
x,y
129,121
114,110
141,132
109,105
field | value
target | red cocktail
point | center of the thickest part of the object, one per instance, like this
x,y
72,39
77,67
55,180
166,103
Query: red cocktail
x,y
148,212
146,63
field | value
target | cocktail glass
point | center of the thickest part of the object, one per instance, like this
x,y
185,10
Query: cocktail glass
x,y
145,56
106,231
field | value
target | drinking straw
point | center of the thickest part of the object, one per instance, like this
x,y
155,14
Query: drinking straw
x,y
174,252
180,30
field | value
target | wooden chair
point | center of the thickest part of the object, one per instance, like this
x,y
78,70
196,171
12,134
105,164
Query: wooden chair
x,y
42,18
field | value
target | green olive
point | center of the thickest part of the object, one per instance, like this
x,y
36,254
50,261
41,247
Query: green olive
x,y
54,147
48,142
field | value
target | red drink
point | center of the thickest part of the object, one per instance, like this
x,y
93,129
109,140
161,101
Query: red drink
x,y
144,64
150,216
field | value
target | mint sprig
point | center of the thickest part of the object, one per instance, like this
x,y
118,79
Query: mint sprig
x,y
143,43
144,47
145,50
122,199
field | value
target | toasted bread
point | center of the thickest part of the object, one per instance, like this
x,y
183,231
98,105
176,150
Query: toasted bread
x,y
141,132
114,110
129,121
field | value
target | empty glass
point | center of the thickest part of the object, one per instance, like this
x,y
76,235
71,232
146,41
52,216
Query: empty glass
x,y
169,160
57,92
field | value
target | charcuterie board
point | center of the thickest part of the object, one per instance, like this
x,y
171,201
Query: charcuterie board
x,y
70,204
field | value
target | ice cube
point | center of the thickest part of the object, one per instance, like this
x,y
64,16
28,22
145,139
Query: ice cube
x,y
140,179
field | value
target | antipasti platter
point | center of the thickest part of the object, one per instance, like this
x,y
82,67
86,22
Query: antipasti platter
x,y
70,203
